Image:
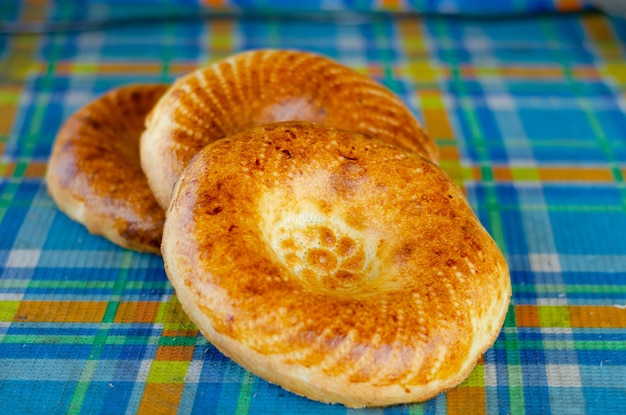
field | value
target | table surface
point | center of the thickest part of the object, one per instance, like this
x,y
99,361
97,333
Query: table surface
x,y
529,115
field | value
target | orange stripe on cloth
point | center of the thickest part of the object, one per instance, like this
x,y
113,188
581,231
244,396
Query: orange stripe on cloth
x,y
568,5
585,72
598,28
8,112
412,31
36,169
437,124
60,311
31,13
389,4
449,153
466,401
160,398
574,174
570,316
180,333
502,174
597,316
527,316
215,3
136,312
373,70
179,353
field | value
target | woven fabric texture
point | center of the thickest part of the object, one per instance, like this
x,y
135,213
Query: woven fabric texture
x,y
530,118
442,6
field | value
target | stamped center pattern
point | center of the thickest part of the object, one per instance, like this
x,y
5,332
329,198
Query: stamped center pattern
x,y
324,254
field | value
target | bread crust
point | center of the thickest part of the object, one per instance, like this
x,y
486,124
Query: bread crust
x,y
340,267
94,173
263,86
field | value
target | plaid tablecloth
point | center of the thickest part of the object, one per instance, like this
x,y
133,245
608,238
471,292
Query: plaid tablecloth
x,y
530,117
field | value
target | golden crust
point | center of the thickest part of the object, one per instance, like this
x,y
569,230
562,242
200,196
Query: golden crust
x,y
259,87
94,174
338,266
